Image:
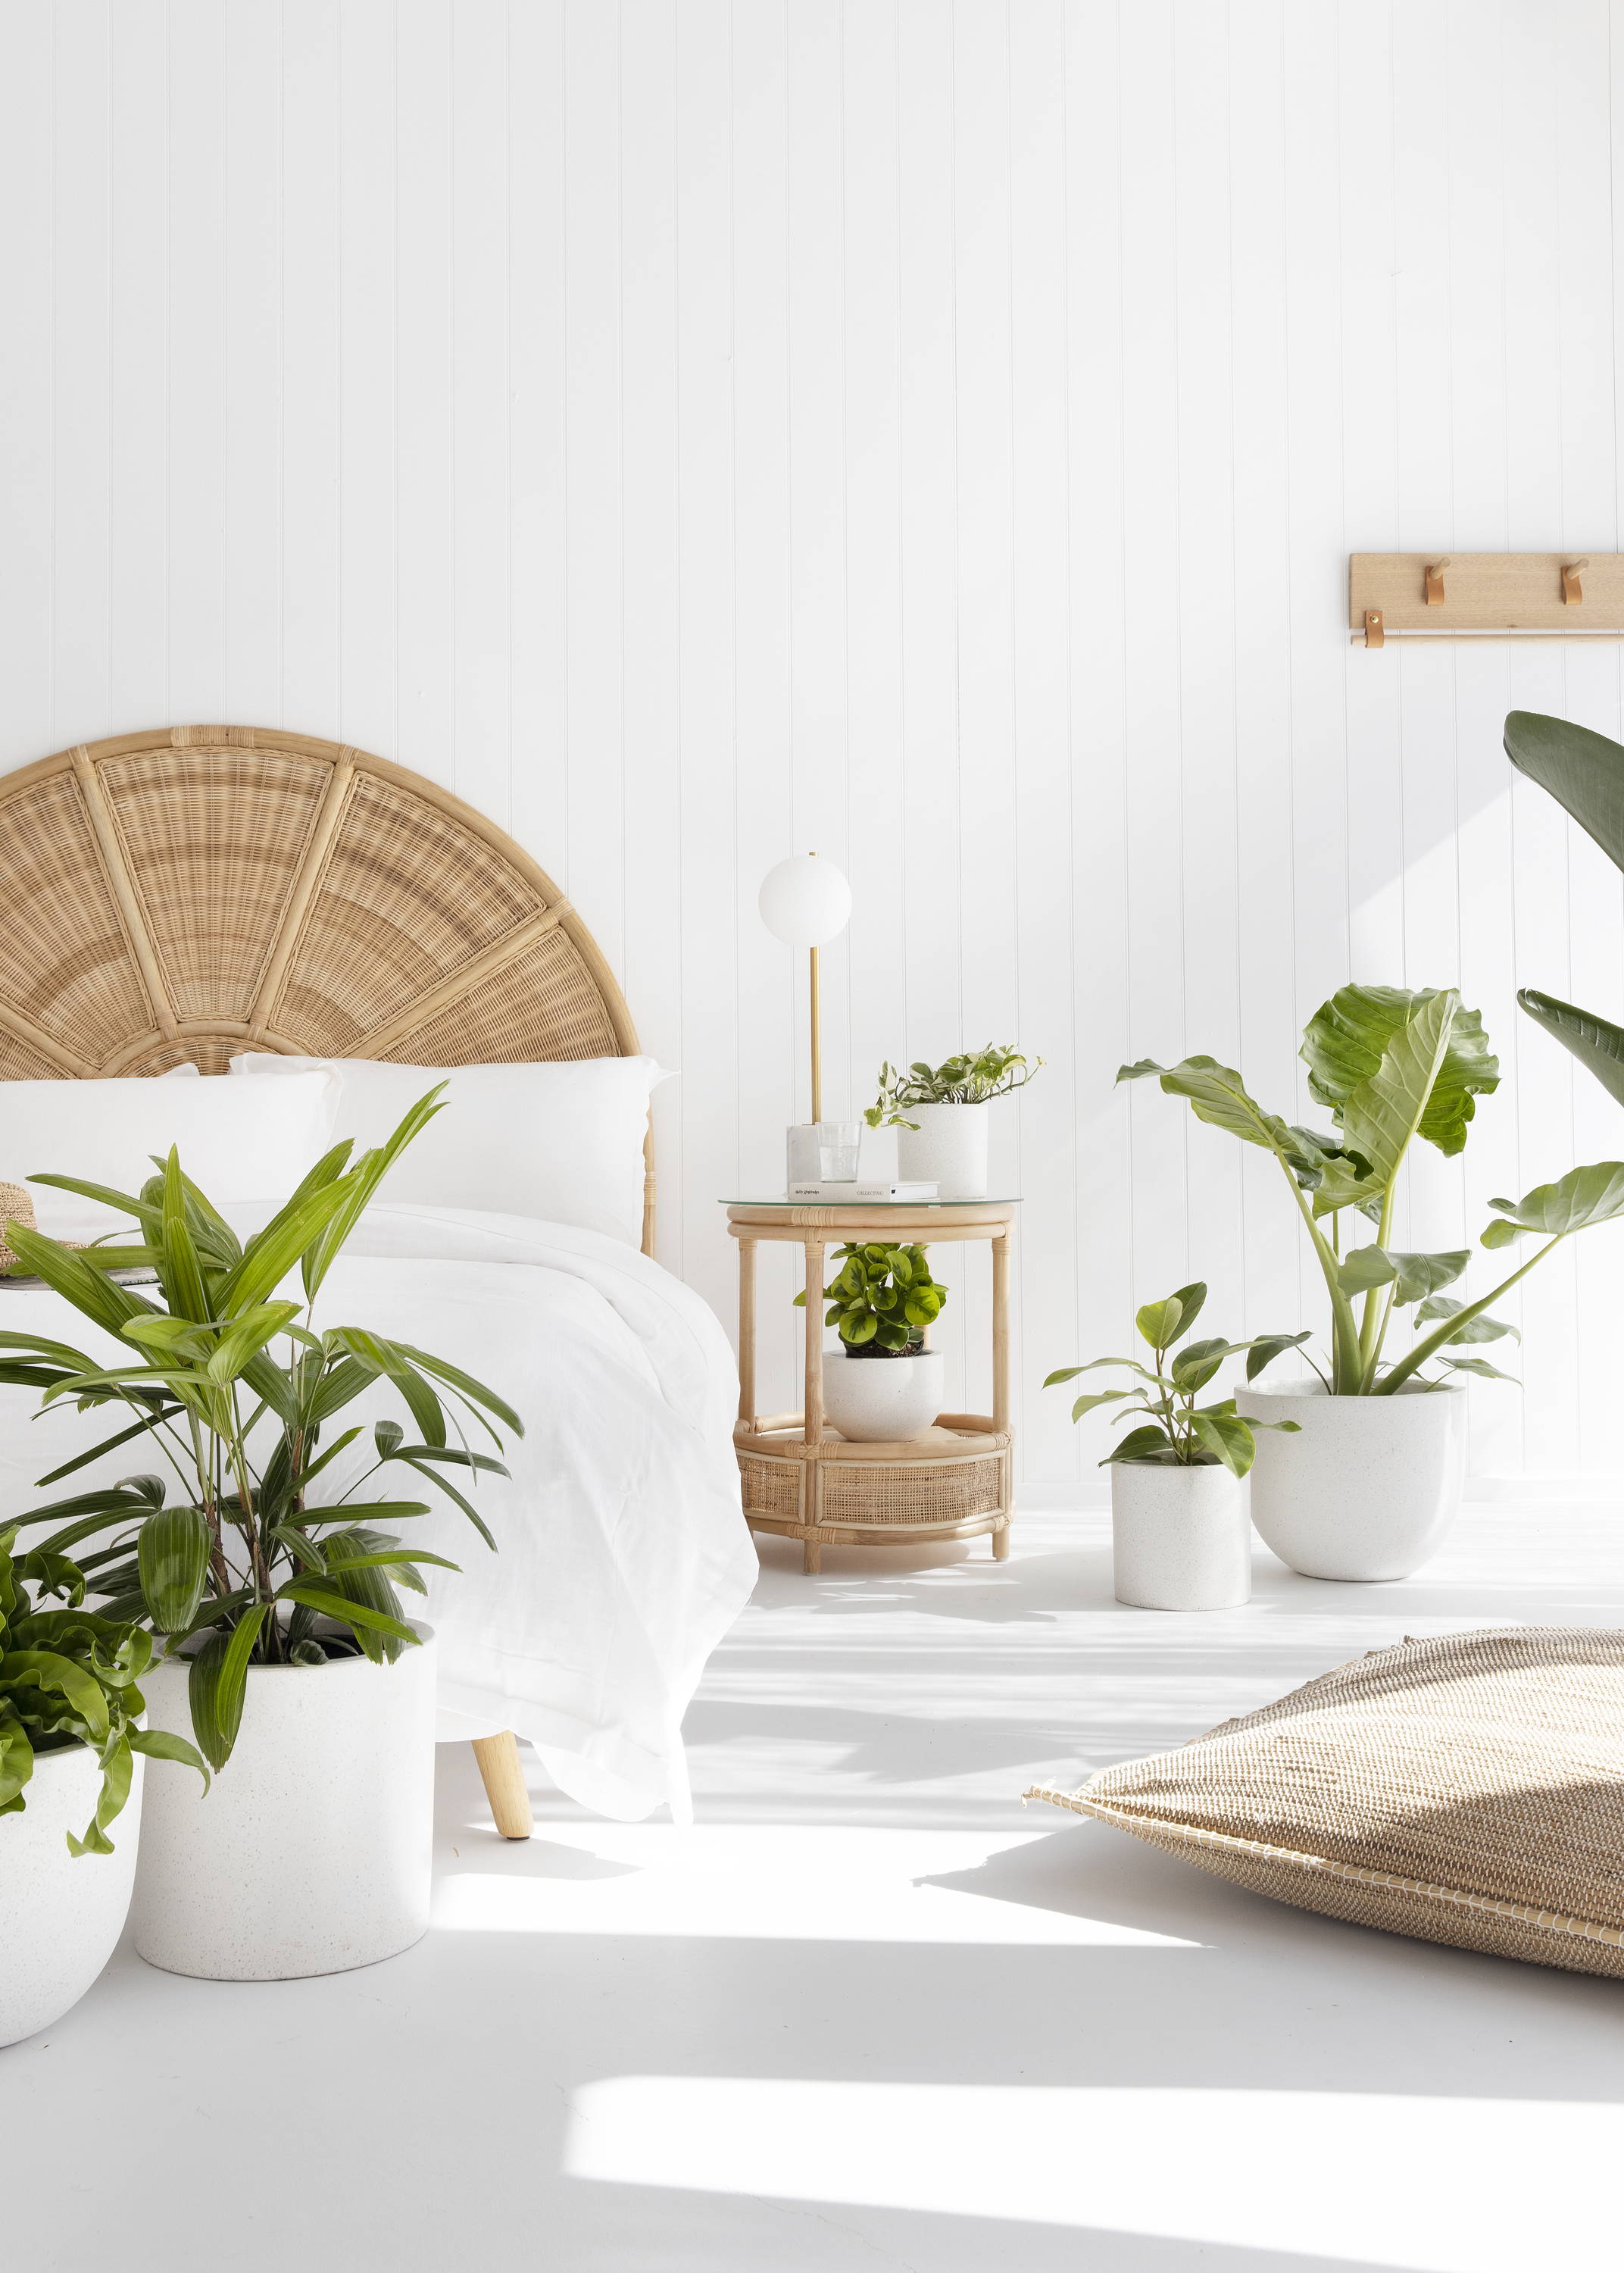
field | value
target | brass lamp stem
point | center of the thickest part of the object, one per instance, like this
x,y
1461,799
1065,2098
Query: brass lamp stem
x,y
816,1044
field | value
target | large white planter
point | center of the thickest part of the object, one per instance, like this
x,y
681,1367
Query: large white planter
x,y
878,1400
1368,1486
948,1148
1179,1539
60,1915
311,1853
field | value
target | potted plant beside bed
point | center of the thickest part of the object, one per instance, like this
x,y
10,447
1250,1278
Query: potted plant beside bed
x,y
1371,1482
70,1755
287,1654
888,1386
940,1116
1179,1539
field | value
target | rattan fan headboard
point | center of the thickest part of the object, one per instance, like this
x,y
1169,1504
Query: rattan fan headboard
x,y
196,890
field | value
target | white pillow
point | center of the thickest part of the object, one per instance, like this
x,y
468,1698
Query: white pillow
x,y
563,1141
235,1147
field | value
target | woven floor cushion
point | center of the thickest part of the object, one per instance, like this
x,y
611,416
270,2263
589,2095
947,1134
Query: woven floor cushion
x,y
1467,1789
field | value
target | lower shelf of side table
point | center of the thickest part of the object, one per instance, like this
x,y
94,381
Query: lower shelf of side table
x,y
953,1482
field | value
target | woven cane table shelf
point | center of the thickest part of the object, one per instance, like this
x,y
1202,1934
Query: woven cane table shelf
x,y
802,1483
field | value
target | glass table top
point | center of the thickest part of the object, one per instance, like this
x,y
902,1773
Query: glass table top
x,y
778,1200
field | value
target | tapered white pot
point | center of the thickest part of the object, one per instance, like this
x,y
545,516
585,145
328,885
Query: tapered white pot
x,y
311,1852
1368,1487
948,1148
1179,1539
878,1400
60,1915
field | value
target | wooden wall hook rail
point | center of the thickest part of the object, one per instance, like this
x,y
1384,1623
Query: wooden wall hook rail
x,y
1398,595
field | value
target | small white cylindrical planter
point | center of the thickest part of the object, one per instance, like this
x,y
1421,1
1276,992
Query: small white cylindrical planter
x,y
60,1915
949,1149
1179,1540
1369,1485
311,1853
878,1400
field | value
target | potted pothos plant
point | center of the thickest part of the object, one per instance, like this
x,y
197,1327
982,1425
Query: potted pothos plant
x,y
1179,1536
881,1301
940,1114
1370,1484
72,1752
286,1652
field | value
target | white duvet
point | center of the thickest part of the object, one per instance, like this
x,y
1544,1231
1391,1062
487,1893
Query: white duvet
x,y
623,1554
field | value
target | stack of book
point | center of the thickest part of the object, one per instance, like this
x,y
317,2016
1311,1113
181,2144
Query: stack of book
x,y
862,1193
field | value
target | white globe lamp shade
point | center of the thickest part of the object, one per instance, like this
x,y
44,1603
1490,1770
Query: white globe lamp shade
x,y
804,901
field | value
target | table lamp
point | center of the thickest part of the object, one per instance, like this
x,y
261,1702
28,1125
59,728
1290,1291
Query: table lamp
x,y
806,901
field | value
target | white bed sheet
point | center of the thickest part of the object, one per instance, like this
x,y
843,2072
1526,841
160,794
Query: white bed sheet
x,y
623,1554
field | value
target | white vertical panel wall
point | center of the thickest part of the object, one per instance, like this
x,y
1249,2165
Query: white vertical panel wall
x,y
927,430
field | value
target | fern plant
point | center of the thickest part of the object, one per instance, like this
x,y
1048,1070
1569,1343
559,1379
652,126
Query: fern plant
x,y
232,1557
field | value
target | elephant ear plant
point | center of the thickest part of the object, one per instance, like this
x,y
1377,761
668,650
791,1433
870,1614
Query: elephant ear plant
x,y
242,1565
1390,1065
68,1677
1585,773
1176,1431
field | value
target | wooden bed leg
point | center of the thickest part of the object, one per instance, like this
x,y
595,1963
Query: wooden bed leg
x,y
812,1557
505,1784
1000,1543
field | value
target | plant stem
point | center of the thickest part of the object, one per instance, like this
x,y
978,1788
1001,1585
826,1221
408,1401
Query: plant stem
x,y
1344,1330
1451,1326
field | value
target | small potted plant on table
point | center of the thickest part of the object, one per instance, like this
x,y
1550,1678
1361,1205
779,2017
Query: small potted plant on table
x,y
940,1116
1179,1537
70,1755
888,1389
287,1652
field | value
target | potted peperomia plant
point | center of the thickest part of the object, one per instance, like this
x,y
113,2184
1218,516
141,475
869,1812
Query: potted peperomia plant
x,y
1372,1482
286,1651
1180,1538
940,1114
72,1750
889,1387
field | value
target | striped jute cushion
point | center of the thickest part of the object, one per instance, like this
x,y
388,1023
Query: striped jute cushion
x,y
1467,1789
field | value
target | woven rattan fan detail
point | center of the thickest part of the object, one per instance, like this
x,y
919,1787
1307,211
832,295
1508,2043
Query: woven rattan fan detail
x,y
198,890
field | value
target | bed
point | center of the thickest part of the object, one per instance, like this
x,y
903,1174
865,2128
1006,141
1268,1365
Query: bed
x,y
184,895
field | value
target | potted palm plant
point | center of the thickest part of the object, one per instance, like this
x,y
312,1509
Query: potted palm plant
x,y
1371,1482
287,1654
881,1301
1179,1539
940,1116
71,1753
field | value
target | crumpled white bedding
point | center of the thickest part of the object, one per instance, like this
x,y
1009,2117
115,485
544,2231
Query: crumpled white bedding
x,y
622,1555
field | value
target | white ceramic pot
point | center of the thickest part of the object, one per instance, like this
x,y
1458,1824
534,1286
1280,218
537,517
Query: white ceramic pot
x,y
60,1915
878,1401
1368,1486
948,1148
311,1852
1179,1539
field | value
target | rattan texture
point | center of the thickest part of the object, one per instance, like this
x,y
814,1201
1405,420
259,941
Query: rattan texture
x,y
1466,1789
193,891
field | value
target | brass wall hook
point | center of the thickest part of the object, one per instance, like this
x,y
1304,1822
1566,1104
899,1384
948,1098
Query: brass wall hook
x,y
1572,591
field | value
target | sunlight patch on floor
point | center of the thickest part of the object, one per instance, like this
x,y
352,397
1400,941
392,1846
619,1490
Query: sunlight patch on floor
x,y
1409,2182
764,1882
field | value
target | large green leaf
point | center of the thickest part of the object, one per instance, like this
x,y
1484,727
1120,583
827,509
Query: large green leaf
x,y
1583,771
1216,1094
1348,1037
1385,1111
1475,1330
1595,1042
174,1557
1584,1196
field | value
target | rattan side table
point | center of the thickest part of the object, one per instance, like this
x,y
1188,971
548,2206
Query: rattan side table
x,y
954,1482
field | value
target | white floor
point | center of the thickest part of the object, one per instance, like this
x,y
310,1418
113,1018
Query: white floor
x,y
871,2012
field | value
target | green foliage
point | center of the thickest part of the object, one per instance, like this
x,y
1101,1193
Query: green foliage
x,y
242,1566
1176,1432
68,1677
1391,1064
968,1079
1584,772
881,1298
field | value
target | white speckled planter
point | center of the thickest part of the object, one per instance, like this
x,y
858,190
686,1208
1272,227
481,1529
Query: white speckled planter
x,y
882,1400
311,1852
60,1914
1179,1539
949,1149
1369,1488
